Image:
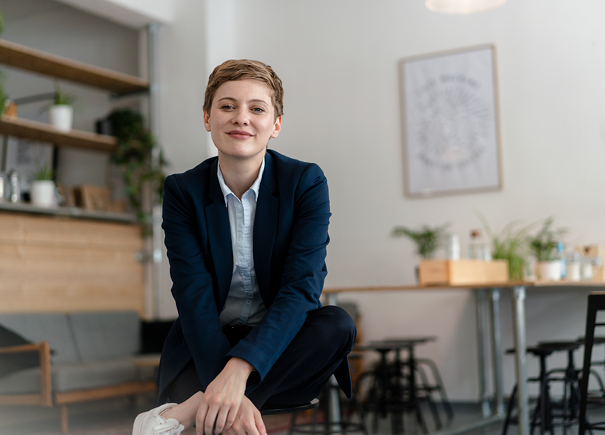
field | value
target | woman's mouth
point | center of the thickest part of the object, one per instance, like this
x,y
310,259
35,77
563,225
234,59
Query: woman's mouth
x,y
239,134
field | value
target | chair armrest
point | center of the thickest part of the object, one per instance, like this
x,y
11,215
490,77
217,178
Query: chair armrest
x,y
43,350
22,348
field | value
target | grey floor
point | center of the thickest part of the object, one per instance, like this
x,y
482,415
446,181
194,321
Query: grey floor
x,y
83,417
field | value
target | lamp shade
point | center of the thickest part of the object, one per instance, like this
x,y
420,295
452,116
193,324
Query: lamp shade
x,y
462,6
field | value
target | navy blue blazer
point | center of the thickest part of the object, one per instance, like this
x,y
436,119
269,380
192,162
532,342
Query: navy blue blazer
x,y
289,248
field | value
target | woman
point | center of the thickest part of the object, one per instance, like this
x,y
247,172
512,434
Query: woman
x,y
246,235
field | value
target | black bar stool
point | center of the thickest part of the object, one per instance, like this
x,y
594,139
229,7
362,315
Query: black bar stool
x,y
392,387
313,404
596,396
343,425
596,303
545,415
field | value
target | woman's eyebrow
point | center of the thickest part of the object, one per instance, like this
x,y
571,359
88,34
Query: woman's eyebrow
x,y
254,100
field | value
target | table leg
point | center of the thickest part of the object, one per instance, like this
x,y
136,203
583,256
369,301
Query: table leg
x,y
483,352
497,352
518,296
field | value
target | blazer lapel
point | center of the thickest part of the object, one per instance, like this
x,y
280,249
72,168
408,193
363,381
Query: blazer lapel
x,y
265,229
219,237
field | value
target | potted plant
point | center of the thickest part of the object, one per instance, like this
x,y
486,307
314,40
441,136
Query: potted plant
x,y
43,187
510,244
61,112
544,246
427,239
134,154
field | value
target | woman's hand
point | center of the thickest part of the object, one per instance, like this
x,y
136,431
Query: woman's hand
x,y
222,399
248,421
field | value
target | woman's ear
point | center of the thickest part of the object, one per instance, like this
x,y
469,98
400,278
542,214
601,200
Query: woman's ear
x,y
206,120
276,127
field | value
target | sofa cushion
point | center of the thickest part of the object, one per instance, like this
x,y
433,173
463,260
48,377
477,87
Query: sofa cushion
x,y
51,327
104,335
76,376
10,362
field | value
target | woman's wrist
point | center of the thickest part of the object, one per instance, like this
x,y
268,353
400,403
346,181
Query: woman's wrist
x,y
240,365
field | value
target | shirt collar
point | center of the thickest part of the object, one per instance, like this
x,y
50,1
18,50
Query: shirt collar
x,y
254,188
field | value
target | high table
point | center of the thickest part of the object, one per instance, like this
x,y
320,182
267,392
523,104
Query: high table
x,y
487,341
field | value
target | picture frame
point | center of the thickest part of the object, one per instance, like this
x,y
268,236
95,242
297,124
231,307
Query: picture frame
x,y
451,122
25,156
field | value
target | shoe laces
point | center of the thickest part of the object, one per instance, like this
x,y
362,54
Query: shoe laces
x,y
168,427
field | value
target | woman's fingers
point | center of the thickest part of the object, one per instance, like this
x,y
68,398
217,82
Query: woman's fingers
x,y
260,424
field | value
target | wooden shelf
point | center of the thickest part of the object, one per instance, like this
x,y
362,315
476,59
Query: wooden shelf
x,y
46,133
72,212
37,61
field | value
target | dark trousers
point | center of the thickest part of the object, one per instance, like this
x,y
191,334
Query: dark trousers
x,y
299,374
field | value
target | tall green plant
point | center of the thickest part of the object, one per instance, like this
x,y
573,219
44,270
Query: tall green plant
x,y
509,244
427,239
134,153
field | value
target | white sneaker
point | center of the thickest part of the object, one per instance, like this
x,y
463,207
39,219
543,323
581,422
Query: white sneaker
x,y
152,423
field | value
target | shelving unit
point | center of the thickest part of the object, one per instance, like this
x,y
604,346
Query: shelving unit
x,y
108,227
37,61
46,133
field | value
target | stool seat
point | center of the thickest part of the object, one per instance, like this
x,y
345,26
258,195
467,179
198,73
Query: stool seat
x,y
560,345
537,351
596,340
288,409
409,340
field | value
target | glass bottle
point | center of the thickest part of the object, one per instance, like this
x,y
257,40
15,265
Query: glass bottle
x,y
562,258
478,249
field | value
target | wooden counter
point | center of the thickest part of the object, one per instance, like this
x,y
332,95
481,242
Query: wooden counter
x,y
60,263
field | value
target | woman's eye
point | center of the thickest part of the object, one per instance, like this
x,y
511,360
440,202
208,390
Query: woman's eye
x,y
258,109
226,106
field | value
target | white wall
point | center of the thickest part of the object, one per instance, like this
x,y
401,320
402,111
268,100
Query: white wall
x,y
338,61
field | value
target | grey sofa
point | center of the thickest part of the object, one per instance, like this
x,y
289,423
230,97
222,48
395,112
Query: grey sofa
x,y
72,357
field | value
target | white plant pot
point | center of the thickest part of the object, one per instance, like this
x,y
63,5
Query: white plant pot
x,y
43,193
549,270
61,117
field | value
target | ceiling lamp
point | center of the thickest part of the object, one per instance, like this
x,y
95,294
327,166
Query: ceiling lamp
x,y
462,6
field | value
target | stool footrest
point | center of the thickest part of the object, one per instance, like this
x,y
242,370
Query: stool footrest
x,y
288,409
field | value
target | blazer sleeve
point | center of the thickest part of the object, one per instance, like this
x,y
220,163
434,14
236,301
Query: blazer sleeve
x,y
302,276
192,287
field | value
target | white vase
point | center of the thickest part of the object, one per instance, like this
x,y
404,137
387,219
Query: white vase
x,y
42,193
549,270
61,117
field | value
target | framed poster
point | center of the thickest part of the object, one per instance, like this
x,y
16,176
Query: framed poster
x,y
25,156
451,132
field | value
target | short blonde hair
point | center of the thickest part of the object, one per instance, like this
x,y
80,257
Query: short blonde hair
x,y
243,69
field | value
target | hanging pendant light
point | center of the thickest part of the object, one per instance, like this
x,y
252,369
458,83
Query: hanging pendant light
x,y
462,6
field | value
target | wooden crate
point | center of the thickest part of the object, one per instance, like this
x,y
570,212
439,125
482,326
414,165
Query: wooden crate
x,y
461,272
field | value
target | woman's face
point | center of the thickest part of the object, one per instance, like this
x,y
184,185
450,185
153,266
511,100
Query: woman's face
x,y
242,119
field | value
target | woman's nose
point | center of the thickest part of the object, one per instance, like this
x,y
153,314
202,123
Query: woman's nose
x,y
241,117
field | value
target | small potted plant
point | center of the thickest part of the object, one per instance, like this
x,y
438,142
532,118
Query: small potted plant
x,y
544,246
510,244
42,191
427,239
61,112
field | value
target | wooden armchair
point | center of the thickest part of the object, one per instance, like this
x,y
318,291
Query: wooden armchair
x,y
44,397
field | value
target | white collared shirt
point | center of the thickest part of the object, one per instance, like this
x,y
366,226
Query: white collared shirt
x,y
244,305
